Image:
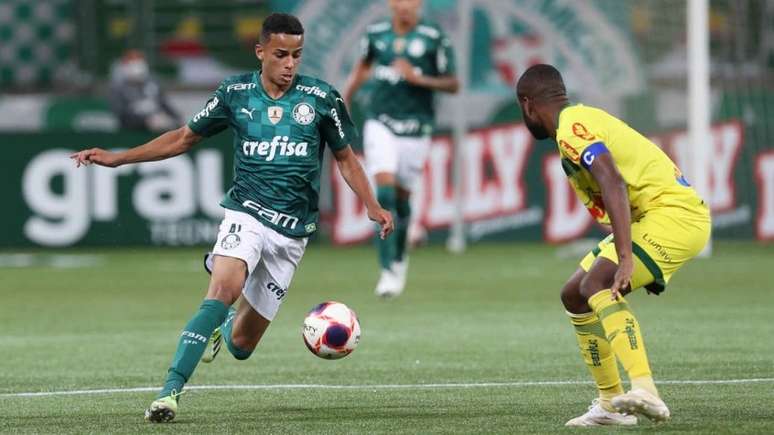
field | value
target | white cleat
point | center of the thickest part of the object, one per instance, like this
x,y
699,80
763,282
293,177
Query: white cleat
x,y
401,271
389,284
599,416
642,402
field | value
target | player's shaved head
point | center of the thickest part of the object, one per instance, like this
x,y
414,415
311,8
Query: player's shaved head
x,y
541,95
280,23
541,82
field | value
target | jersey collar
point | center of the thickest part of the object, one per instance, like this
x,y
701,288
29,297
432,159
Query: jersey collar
x,y
559,119
257,78
420,21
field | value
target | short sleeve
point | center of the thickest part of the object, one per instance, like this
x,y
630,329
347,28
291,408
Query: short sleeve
x,y
214,117
444,57
367,52
577,138
336,127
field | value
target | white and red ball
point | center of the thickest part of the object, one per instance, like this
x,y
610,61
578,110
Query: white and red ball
x,y
331,330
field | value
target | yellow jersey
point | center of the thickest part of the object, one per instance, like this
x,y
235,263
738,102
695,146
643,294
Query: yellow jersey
x,y
653,181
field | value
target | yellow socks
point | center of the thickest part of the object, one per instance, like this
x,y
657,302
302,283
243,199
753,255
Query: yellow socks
x,y
623,333
612,331
598,356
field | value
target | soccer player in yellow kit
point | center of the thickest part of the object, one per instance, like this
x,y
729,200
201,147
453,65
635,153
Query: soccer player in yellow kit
x,y
658,220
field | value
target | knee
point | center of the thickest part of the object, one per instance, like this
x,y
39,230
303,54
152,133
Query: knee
x,y
572,299
590,286
226,291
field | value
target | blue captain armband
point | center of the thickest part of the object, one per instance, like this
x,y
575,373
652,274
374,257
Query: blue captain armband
x,y
591,152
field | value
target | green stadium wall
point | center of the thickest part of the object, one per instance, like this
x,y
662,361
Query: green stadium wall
x,y
514,190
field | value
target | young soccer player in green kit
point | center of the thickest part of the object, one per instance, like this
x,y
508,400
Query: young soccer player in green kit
x,y
408,58
281,123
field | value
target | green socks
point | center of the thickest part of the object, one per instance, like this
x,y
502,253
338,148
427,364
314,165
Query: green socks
x,y
193,342
225,330
387,248
402,220
394,247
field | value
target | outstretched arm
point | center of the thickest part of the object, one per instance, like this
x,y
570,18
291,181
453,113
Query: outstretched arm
x,y
616,199
353,174
169,144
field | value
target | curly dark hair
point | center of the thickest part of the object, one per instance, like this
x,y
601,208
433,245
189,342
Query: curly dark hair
x,y
280,23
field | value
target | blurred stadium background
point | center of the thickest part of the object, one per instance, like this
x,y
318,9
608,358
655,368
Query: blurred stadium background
x,y
58,57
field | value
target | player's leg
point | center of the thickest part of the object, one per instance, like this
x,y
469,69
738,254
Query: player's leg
x,y
237,251
402,221
223,334
242,330
247,331
226,283
381,154
663,241
412,153
598,356
387,195
621,326
399,265
264,292
249,327
243,327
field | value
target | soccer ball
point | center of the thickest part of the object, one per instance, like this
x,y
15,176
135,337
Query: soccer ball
x,y
331,330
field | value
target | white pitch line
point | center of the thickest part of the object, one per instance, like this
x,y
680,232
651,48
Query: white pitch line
x,y
366,387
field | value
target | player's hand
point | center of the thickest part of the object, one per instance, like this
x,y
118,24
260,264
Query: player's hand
x,y
623,277
406,70
384,219
98,156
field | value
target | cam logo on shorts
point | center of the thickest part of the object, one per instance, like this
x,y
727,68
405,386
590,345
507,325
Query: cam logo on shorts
x,y
231,241
303,113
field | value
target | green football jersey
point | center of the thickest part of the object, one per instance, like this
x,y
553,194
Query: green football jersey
x,y
278,146
405,109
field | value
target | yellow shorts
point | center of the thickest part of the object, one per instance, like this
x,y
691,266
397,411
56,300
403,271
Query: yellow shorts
x,y
663,240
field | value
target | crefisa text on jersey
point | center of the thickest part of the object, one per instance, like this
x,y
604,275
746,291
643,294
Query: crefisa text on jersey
x,y
313,90
211,105
337,121
270,149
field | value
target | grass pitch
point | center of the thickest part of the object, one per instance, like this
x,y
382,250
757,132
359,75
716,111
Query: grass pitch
x,y
466,349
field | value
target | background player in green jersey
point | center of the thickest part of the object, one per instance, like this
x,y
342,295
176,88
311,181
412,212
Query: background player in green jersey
x,y
408,58
281,122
